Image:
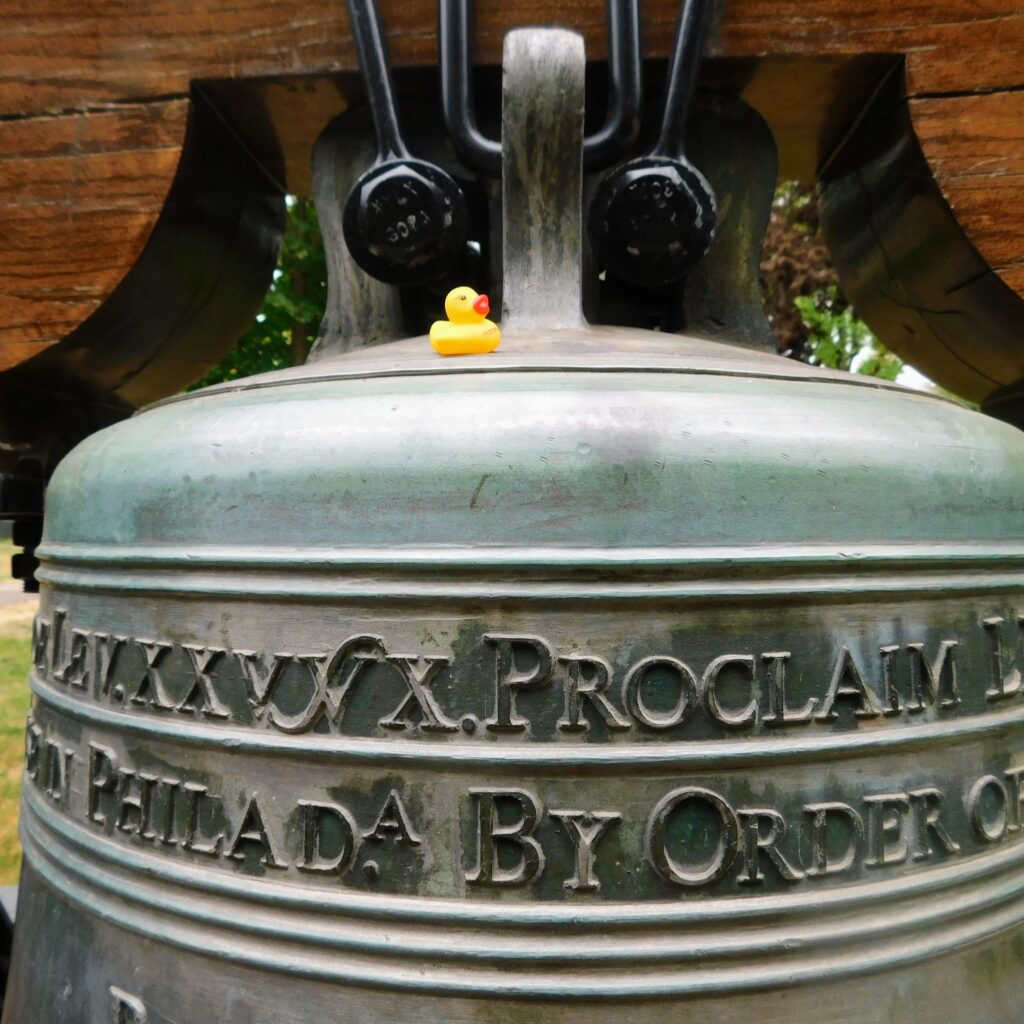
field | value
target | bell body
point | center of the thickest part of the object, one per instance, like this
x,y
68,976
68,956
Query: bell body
x,y
608,674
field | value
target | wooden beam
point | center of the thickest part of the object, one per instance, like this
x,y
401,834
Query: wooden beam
x,y
79,196
95,98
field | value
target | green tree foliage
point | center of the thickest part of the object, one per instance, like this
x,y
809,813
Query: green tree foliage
x,y
837,339
288,320
811,317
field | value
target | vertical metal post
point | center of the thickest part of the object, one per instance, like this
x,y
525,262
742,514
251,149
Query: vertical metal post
x,y
542,177
360,309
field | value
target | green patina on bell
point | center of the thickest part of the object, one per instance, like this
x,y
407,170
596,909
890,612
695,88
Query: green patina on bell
x,y
611,673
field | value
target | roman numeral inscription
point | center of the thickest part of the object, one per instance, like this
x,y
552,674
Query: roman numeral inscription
x,y
497,792
505,684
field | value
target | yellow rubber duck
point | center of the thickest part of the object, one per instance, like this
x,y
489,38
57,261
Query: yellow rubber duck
x,y
467,331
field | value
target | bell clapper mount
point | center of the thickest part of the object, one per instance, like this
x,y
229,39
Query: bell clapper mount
x,y
407,222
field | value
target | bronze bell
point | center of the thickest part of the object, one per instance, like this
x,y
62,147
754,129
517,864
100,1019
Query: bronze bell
x,y
612,675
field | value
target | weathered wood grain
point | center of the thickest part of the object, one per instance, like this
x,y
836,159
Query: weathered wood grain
x,y
79,195
94,97
910,270
95,51
975,147
950,45
1013,276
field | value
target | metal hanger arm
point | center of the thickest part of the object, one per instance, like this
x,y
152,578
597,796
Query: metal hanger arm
x,y
454,43
624,95
625,91
683,70
368,36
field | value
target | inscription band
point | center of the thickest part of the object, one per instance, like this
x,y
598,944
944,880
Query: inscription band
x,y
689,754
861,940
933,885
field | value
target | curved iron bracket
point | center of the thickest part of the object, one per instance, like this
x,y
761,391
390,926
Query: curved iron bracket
x,y
654,217
405,219
625,95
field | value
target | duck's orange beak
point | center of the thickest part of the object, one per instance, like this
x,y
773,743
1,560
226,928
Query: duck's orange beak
x,y
482,305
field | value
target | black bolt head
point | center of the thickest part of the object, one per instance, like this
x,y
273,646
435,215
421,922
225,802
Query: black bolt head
x,y
405,222
651,220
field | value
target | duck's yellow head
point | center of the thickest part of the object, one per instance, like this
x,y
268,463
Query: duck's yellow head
x,y
464,306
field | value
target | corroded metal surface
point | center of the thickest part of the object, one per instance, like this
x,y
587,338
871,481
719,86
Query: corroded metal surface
x,y
611,676
412,695
542,145
360,310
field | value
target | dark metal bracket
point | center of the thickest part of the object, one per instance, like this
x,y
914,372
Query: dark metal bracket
x,y
405,219
654,217
625,101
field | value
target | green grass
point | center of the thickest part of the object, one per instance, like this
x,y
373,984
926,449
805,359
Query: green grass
x,y
15,637
14,704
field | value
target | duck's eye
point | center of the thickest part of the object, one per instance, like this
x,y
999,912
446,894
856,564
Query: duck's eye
x,y
462,298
